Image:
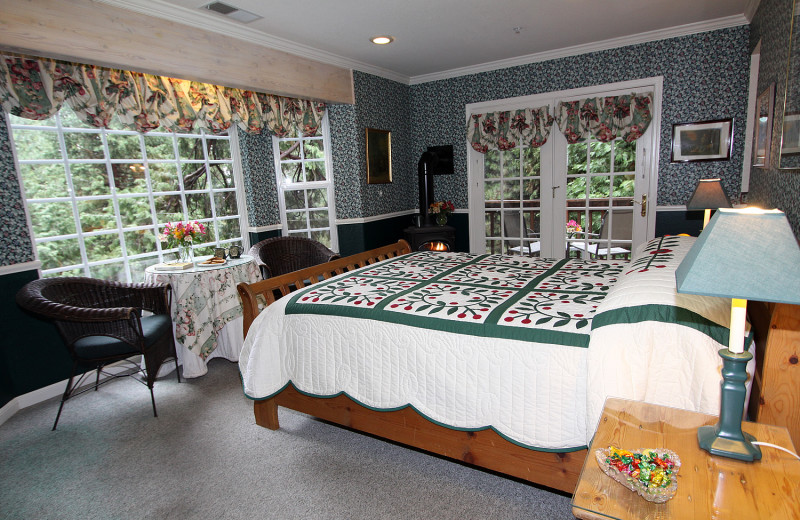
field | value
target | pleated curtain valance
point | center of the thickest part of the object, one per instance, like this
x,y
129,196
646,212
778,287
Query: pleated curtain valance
x,y
505,130
605,118
36,88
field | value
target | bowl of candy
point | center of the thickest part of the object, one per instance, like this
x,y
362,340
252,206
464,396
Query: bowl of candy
x,y
650,473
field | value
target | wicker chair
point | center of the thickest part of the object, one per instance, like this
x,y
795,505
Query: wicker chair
x,y
101,322
281,255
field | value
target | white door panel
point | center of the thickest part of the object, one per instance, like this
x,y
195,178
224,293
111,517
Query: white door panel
x,y
521,200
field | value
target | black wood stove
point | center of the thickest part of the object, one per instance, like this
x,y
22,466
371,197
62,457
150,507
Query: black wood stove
x,y
431,238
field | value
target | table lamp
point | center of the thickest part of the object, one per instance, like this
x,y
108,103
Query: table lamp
x,y
743,254
708,195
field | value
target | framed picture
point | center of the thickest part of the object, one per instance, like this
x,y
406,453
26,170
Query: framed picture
x,y
790,142
379,156
702,141
762,134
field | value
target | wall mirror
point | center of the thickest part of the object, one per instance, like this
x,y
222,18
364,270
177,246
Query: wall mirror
x,y
789,157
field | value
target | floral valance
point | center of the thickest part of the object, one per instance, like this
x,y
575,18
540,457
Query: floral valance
x,y
606,118
36,88
505,130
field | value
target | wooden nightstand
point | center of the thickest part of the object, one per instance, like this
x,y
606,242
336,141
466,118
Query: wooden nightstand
x,y
708,487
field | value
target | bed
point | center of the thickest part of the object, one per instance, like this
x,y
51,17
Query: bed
x,y
501,362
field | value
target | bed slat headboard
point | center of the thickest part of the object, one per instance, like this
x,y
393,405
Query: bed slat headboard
x,y
269,290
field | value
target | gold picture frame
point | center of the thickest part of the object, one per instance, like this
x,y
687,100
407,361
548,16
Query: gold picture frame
x,y
379,156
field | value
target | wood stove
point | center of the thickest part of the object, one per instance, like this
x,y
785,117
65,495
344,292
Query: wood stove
x,y
431,238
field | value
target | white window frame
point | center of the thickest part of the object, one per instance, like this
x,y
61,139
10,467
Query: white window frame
x,y
556,147
158,254
327,184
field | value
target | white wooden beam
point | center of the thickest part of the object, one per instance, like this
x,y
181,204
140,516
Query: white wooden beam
x,y
87,31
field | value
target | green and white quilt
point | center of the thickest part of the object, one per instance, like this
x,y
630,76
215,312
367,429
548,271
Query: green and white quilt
x,y
528,347
528,299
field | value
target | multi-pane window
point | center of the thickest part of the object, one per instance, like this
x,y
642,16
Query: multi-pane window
x,y
305,186
600,185
98,198
512,214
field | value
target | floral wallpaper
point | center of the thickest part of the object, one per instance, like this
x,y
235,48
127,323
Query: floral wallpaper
x,y
772,187
15,241
345,155
261,191
705,77
381,104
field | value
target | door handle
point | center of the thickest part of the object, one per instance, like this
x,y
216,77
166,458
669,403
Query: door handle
x,y
644,205
554,190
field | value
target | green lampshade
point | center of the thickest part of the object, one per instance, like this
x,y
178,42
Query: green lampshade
x,y
750,254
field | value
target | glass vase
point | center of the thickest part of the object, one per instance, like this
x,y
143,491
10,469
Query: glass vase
x,y
441,219
185,254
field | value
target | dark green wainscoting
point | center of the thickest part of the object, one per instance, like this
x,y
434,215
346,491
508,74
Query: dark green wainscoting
x,y
677,222
255,238
355,238
32,355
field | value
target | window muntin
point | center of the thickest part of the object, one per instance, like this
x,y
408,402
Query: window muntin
x,y
305,186
600,177
98,198
512,186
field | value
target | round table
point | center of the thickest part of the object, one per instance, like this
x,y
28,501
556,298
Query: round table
x,y
206,310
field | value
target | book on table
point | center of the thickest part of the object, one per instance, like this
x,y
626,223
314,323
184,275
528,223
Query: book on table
x,y
174,266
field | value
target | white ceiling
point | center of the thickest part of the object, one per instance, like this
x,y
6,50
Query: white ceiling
x,y
444,38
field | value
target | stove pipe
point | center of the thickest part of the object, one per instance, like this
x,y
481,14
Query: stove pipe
x,y
425,168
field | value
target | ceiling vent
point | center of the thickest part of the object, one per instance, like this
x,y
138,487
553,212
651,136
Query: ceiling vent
x,y
240,15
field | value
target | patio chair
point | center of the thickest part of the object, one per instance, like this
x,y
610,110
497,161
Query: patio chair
x,y
514,233
616,245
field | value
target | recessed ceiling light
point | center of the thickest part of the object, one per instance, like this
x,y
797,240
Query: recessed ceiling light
x,y
382,40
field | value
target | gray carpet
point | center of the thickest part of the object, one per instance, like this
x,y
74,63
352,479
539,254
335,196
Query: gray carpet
x,y
204,457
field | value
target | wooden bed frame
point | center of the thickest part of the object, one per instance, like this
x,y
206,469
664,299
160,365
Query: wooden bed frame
x,y
775,398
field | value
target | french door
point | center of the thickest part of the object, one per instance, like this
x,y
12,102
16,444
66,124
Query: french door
x,y
590,199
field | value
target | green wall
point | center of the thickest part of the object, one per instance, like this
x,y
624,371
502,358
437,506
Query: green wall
x,y
32,354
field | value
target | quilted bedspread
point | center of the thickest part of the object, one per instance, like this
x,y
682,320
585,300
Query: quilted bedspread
x,y
529,299
528,347
651,344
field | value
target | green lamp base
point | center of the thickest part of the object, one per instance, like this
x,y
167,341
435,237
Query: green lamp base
x,y
726,438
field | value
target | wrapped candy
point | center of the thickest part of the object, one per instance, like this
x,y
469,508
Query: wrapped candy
x,y
650,473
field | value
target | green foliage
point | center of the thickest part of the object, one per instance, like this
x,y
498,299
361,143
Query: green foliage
x,y
512,179
94,179
595,158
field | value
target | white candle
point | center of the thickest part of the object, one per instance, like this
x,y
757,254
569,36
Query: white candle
x,y
738,314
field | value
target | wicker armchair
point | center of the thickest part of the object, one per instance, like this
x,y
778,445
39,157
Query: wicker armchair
x,y
281,255
101,322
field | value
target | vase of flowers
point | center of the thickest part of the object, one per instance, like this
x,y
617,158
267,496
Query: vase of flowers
x,y
182,235
573,227
440,210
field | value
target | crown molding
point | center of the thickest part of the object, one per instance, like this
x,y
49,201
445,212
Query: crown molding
x,y
219,24
614,43
196,18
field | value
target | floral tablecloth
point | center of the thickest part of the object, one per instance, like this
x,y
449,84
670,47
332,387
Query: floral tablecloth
x,y
206,310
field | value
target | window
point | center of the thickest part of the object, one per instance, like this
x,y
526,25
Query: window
x,y
305,186
512,191
98,198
